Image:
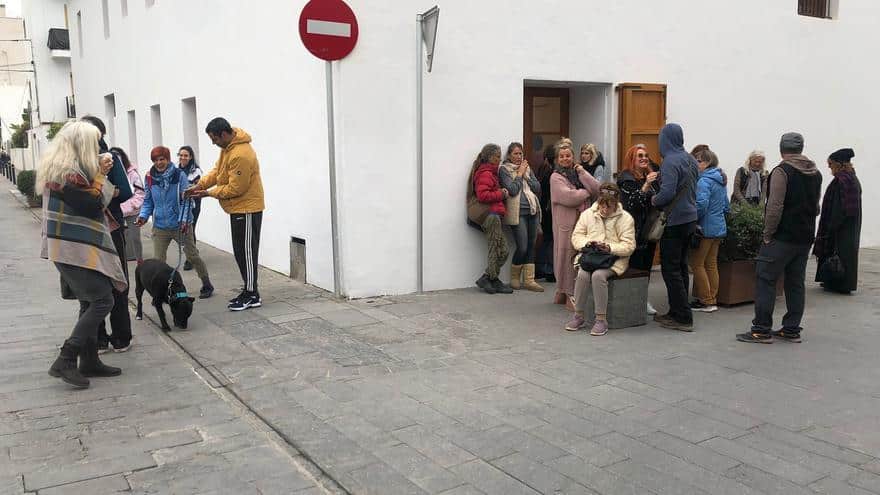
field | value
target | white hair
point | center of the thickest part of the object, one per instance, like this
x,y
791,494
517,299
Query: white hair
x,y
73,151
754,154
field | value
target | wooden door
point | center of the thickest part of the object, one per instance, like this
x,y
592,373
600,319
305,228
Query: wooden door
x,y
545,120
642,115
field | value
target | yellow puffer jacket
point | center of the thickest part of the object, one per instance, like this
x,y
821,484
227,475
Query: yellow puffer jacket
x,y
617,230
235,178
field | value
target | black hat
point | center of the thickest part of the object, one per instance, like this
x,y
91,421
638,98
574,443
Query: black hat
x,y
843,155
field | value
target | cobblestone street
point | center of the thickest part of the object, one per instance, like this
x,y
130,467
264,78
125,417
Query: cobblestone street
x,y
454,393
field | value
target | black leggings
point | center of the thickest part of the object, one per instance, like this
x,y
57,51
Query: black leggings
x,y
524,235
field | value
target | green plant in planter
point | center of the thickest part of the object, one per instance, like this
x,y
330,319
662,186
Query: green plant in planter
x,y
25,180
745,229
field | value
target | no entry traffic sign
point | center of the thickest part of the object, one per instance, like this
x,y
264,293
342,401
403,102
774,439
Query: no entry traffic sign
x,y
328,29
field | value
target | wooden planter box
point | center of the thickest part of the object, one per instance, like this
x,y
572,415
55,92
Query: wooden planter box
x,y
736,282
35,202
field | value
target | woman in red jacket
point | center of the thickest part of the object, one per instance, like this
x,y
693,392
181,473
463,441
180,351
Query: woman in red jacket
x,y
488,190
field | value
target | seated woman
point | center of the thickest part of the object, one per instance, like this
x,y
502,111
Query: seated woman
x,y
607,227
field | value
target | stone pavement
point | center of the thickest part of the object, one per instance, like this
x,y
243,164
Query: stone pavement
x,y
457,392
159,428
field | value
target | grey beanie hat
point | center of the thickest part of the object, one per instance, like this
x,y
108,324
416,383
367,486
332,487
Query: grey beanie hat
x,y
792,141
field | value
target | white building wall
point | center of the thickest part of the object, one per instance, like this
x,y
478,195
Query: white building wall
x,y
53,74
739,74
243,62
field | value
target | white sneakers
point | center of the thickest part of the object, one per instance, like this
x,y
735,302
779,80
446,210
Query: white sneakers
x,y
651,310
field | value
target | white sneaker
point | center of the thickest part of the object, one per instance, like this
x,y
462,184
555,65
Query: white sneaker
x,y
707,309
651,310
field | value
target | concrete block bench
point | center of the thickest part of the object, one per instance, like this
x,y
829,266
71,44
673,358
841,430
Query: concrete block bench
x,y
627,300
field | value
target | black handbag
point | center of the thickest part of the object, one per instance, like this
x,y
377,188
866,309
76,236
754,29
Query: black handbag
x,y
592,259
831,269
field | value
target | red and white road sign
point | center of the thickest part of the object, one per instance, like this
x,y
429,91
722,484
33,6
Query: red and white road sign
x,y
328,29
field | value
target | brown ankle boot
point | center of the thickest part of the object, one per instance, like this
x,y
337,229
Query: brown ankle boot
x,y
529,279
516,272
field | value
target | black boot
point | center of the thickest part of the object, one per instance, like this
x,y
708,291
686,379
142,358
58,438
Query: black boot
x,y
65,367
207,289
90,364
500,287
187,266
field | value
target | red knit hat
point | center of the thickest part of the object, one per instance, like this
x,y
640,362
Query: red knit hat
x,y
160,151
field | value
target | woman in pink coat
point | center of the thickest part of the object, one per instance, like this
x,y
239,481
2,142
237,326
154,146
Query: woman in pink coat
x,y
132,208
572,190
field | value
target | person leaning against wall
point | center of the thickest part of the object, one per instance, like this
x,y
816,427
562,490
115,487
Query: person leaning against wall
x,y
485,186
712,208
572,190
235,181
523,215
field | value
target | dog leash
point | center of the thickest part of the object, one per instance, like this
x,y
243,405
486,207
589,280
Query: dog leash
x,y
180,235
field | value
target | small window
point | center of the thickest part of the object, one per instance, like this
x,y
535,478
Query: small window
x,y
132,136
124,7
150,3
190,123
105,10
110,117
815,8
156,120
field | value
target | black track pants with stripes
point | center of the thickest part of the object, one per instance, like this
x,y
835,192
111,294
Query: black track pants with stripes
x,y
246,246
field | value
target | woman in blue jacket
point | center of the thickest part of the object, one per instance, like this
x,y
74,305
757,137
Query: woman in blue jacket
x,y
172,214
712,206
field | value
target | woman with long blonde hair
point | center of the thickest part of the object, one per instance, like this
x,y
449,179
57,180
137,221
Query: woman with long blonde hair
x,y
76,237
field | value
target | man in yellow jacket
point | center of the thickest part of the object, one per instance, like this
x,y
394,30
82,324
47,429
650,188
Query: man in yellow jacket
x,y
235,182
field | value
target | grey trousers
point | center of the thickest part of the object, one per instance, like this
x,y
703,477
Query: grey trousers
x,y
95,294
598,280
134,249
162,238
775,260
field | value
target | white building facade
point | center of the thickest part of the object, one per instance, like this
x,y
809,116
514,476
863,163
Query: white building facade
x,y
51,89
735,75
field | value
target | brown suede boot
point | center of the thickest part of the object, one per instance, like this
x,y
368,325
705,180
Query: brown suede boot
x,y
516,272
529,279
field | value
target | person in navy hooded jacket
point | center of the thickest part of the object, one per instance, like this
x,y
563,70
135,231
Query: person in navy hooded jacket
x,y
172,213
678,174
712,207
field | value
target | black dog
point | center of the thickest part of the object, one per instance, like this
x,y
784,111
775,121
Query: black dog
x,y
154,275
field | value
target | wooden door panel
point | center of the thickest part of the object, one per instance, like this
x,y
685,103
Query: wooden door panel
x,y
642,113
545,120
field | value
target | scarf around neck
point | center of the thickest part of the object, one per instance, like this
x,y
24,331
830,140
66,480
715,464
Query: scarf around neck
x,y
850,192
571,175
526,188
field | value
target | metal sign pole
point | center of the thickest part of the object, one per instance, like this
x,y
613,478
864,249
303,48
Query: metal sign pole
x,y
334,214
424,22
419,160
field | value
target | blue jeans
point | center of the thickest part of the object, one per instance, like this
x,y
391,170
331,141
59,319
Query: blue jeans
x,y
524,235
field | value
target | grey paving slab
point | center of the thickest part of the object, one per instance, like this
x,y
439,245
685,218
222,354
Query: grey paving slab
x,y
539,476
491,480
